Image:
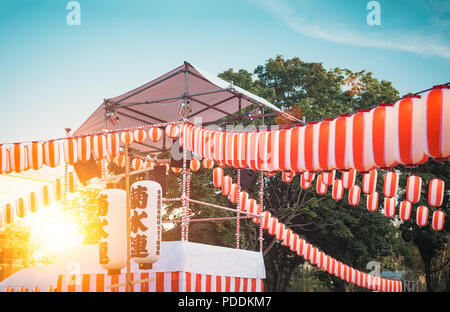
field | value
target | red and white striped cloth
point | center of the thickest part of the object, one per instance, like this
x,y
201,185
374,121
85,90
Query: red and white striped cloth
x,y
159,282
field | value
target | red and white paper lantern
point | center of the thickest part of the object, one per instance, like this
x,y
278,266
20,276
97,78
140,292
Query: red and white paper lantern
x,y
369,183
304,183
35,155
99,147
422,216
390,184
207,163
113,144
413,188
17,157
383,136
321,188
217,177
155,134
8,213
372,201
126,137
389,206
113,230
287,176
343,142
33,202
338,190
408,131
226,185
84,149
51,153
172,131
436,122
354,195
362,141
139,135
266,219
405,210
436,192
21,208
4,159
234,193
195,164
348,178
137,163
438,220
329,177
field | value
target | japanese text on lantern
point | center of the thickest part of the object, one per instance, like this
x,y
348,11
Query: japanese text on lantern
x,y
139,197
103,245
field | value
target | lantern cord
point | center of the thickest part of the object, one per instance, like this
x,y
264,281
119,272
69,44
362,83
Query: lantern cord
x,y
104,132
261,206
222,207
210,219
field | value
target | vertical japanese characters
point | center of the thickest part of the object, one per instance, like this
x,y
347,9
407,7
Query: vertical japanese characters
x,y
112,230
146,201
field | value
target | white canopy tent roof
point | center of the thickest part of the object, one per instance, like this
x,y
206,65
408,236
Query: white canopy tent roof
x,y
158,101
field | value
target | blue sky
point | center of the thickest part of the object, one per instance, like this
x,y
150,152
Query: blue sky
x,y
53,75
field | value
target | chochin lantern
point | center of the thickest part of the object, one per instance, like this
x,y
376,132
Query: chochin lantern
x,y
113,230
146,201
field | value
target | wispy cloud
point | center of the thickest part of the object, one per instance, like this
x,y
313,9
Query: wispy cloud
x,y
414,42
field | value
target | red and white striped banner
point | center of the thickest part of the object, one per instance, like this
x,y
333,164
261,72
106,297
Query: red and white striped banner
x,y
158,282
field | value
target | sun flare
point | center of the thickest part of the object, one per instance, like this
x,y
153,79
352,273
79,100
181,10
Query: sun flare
x,y
53,231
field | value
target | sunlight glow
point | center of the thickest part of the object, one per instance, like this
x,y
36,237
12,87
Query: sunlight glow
x,y
52,231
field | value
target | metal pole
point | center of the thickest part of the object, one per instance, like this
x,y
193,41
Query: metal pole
x,y
66,169
127,189
238,214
